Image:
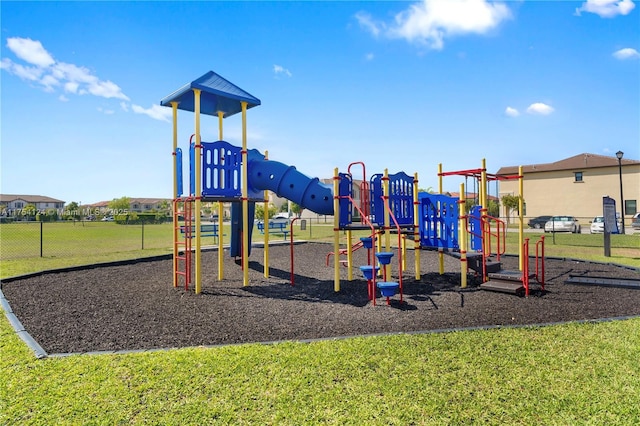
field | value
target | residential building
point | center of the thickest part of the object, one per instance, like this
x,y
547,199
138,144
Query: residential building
x,y
575,186
138,205
12,204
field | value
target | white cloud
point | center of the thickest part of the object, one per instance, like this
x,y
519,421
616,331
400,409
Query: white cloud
x,y
511,112
24,72
279,70
429,22
607,8
106,111
156,112
626,53
71,87
124,106
43,69
366,21
539,108
369,56
63,98
30,51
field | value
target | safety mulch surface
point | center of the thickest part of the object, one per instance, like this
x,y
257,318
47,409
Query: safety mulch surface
x,y
134,306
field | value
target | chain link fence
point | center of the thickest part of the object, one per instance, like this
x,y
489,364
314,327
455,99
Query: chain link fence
x,y
78,238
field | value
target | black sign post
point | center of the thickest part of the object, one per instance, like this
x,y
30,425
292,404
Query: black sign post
x,y
610,222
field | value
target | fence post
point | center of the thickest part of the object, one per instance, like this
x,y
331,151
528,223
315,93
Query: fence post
x,y
142,234
41,225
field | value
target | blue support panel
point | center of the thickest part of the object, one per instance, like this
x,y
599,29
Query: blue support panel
x,y
345,188
192,169
179,171
438,221
221,170
475,227
401,197
377,207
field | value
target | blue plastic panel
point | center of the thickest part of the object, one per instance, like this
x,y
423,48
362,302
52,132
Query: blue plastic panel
x,y
438,221
475,227
221,169
192,169
345,189
377,206
179,171
401,197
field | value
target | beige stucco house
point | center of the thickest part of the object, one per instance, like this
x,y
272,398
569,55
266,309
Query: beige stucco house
x,y
575,186
14,203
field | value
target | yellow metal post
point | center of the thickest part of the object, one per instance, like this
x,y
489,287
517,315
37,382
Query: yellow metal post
x,y
440,250
174,110
220,207
245,199
198,155
387,231
336,230
416,226
521,221
462,236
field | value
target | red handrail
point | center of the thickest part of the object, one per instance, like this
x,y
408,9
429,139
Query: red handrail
x,y
366,220
540,261
392,216
525,266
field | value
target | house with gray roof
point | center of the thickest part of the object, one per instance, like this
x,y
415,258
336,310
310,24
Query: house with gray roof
x,y
575,186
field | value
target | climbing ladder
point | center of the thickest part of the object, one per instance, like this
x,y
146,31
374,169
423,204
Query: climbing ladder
x,y
182,237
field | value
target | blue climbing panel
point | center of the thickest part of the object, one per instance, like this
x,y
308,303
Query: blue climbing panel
x,y
345,188
438,221
192,169
401,197
376,207
221,169
179,171
475,228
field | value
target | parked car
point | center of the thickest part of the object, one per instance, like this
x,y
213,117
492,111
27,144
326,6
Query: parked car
x,y
280,217
597,225
107,219
563,224
635,221
276,218
538,222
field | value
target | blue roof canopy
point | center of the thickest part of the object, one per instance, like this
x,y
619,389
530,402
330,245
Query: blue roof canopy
x,y
218,94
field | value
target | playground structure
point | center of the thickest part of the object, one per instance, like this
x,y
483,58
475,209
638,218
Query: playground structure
x,y
487,234
385,204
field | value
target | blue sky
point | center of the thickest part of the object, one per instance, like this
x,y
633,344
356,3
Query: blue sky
x,y
397,85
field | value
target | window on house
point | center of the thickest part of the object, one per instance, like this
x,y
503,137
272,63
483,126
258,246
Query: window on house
x,y
630,207
19,205
577,177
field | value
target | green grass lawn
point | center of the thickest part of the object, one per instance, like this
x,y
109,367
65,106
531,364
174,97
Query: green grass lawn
x,y
566,374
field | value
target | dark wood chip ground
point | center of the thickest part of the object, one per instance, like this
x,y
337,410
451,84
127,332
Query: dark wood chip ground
x,y
135,306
